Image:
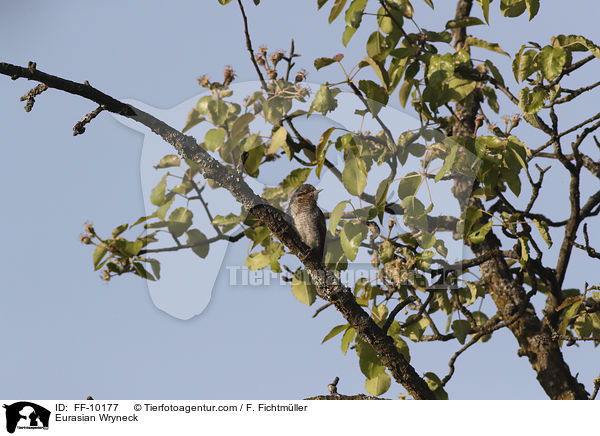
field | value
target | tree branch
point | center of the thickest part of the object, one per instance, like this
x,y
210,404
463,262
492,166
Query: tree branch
x,y
329,286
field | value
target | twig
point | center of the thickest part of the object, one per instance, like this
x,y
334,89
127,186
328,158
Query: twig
x,y
79,128
396,310
249,46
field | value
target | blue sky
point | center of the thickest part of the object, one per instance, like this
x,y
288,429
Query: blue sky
x,y
67,333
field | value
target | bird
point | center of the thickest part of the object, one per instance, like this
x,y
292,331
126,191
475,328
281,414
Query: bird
x,y
308,219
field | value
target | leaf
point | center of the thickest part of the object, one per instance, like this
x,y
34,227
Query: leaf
x,y
258,261
336,214
478,235
409,185
334,332
320,3
512,8
416,329
569,314
214,138
351,236
99,253
461,329
161,212
347,35
531,102
435,385
322,148
157,197
354,13
380,71
378,385
485,7
193,118
227,222
224,2
404,92
337,8
464,22
403,6
120,229
277,140
347,338
491,46
354,175
141,271
551,61
195,236
170,160
217,111
323,62
533,6
525,65
542,227
324,101
304,291
369,363
179,221
379,314
377,97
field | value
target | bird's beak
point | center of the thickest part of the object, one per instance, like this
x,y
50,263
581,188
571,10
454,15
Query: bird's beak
x,y
317,191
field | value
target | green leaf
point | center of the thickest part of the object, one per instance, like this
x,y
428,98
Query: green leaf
x,y
351,236
409,185
277,140
324,101
304,290
478,235
380,70
512,8
157,197
224,2
435,385
227,222
354,175
169,160
193,118
99,253
320,3
337,8
179,221
257,234
334,332
464,22
214,138
347,35
526,64
485,7
569,314
347,339
161,212
542,227
416,329
533,6
404,92
403,6
377,96
369,363
195,236
322,148
141,271
273,110
323,62
461,329
531,102
336,214
354,13
217,111
378,385
491,46
379,314
551,61
258,261
120,229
